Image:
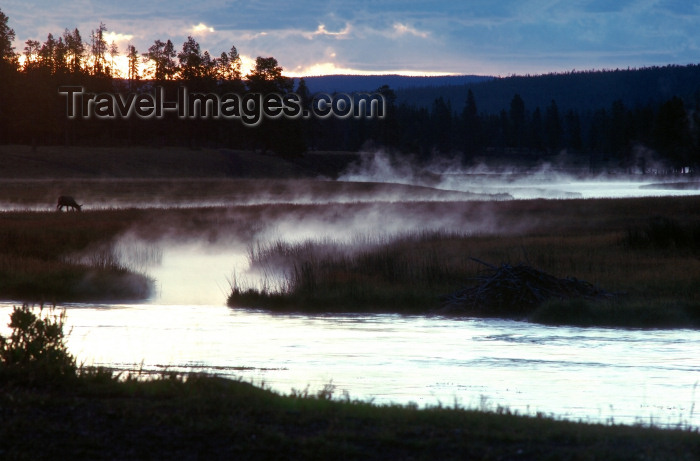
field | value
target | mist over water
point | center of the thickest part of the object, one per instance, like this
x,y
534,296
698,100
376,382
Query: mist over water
x,y
199,263
544,180
194,274
377,177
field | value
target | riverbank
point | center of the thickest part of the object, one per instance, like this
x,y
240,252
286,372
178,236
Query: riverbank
x,y
195,417
53,408
54,257
50,256
358,246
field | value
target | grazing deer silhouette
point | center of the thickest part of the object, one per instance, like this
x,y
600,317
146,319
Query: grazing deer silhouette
x,y
68,202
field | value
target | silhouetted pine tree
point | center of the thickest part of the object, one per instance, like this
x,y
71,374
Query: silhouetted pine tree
x,y
471,129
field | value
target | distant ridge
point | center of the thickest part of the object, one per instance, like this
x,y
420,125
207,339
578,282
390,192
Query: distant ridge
x,y
576,90
350,83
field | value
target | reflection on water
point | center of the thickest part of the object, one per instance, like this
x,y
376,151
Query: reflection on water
x,y
592,374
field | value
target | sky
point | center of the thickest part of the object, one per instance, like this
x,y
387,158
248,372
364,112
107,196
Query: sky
x,y
410,37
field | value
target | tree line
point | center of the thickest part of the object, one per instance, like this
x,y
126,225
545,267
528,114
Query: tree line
x,y
662,135
33,112
658,132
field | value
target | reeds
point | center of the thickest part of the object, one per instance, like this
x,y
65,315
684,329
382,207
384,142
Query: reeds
x,y
410,273
376,272
351,266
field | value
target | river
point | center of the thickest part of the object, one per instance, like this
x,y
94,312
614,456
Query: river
x,y
589,374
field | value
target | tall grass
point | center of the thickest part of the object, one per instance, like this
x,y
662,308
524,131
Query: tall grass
x,y
377,272
410,273
42,254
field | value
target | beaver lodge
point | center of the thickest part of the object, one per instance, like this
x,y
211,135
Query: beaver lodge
x,y
514,291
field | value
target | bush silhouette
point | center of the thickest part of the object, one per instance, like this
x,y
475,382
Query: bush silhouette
x,y
36,351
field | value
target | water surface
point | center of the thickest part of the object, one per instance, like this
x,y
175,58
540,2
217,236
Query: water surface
x,y
589,374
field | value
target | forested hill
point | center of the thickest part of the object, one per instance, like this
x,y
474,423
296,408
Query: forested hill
x,y
580,91
352,83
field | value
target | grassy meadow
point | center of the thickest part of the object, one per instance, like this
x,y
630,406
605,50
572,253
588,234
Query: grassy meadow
x,y
97,416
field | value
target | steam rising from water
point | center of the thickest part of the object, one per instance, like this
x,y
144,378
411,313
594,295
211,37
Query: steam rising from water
x,y
545,180
199,260
378,198
197,267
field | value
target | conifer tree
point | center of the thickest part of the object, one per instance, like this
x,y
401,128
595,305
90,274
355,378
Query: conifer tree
x,y
75,50
8,57
98,50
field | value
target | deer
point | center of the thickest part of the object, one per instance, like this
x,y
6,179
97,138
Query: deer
x,y
68,202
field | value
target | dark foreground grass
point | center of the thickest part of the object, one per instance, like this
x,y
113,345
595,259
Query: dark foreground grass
x,y
198,417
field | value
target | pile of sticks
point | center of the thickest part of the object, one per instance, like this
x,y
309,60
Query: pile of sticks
x,y
514,291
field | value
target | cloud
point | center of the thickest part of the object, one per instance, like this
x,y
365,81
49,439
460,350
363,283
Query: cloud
x,y
322,31
403,29
201,29
111,36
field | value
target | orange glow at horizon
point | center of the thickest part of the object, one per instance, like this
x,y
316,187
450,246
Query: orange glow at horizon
x,y
121,69
329,68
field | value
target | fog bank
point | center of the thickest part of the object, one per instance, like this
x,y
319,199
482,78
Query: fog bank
x,y
544,180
